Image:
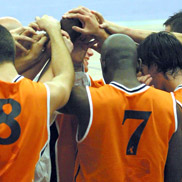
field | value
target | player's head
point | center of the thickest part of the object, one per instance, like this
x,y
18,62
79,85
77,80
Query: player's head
x,y
118,56
10,23
174,23
80,42
67,24
161,55
7,46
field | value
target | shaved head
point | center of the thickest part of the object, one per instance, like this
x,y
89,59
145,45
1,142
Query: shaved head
x,y
10,23
118,57
118,46
119,52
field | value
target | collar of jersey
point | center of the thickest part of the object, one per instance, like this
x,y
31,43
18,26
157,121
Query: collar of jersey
x,y
17,78
178,87
137,89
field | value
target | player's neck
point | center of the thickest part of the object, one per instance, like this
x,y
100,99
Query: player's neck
x,y
128,80
8,72
173,82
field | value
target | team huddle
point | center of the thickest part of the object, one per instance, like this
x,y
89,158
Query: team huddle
x,y
125,127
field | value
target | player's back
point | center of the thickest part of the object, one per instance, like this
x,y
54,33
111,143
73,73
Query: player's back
x,y
24,120
128,134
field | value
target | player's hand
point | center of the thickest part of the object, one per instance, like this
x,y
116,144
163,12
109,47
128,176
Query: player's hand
x,y
88,19
47,23
146,79
23,61
108,26
21,35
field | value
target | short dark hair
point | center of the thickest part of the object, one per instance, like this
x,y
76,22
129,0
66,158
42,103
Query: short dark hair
x,y
175,22
7,46
67,24
161,49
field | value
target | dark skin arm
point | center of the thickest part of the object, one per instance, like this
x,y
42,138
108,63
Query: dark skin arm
x,y
78,105
173,168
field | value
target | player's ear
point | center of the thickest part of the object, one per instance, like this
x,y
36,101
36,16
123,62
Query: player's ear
x,y
139,65
103,63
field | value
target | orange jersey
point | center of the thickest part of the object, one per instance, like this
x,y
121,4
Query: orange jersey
x,y
66,143
66,147
24,125
178,94
96,83
128,134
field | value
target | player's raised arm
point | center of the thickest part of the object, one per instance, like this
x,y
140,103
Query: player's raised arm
x,y
60,86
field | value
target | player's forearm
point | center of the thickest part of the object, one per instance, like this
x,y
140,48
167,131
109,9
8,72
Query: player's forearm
x,y
136,34
35,69
60,57
101,37
24,63
139,35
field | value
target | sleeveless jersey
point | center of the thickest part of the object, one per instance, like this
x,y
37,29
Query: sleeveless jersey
x,y
128,140
66,144
66,147
24,122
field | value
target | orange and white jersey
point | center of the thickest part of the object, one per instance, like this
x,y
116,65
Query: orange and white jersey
x,y
66,143
128,134
96,83
178,94
24,119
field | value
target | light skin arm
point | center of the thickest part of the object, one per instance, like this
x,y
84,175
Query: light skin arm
x,y
22,34
60,86
112,28
173,166
33,66
33,45
47,73
137,35
35,69
24,62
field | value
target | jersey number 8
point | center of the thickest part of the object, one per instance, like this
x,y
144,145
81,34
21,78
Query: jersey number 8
x,y
9,120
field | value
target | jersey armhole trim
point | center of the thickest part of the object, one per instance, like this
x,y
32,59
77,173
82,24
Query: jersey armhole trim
x,y
37,77
175,112
90,120
48,124
89,80
179,103
17,78
48,114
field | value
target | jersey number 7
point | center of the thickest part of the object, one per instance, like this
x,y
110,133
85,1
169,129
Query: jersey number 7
x,y
135,137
